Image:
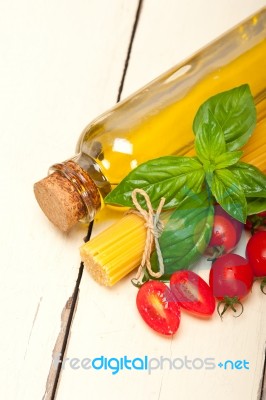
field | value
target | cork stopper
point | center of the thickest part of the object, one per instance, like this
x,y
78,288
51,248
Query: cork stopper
x,y
60,201
67,195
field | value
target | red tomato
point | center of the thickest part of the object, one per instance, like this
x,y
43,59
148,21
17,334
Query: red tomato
x,y
192,293
230,279
256,253
256,222
226,233
158,308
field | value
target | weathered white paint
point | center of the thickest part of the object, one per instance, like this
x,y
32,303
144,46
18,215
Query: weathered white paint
x,y
107,322
61,65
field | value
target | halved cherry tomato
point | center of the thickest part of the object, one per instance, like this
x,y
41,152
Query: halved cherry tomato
x,y
231,279
158,308
192,293
226,233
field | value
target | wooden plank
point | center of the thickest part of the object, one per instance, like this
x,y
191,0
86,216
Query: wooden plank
x,y
170,33
61,66
107,324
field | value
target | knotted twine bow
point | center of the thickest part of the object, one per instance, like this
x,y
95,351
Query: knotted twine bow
x,y
154,230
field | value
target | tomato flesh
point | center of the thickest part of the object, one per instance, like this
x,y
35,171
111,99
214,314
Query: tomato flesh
x,y
192,293
256,253
231,276
158,308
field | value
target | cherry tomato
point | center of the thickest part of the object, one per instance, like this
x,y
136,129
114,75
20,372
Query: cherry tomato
x,y
230,279
256,222
226,233
256,255
158,307
192,293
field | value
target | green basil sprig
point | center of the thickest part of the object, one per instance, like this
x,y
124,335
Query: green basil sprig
x,y
171,177
256,205
186,234
235,113
222,125
250,178
228,159
229,194
210,140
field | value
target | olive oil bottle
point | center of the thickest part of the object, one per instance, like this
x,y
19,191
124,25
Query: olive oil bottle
x,y
156,121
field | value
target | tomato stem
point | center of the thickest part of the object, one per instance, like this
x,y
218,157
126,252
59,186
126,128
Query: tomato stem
x,y
218,251
230,302
257,221
263,285
139,282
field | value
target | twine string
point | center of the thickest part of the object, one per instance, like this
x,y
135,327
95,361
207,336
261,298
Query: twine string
x,y
154,230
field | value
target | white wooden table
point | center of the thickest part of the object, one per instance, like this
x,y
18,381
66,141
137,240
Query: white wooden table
x,y
61,65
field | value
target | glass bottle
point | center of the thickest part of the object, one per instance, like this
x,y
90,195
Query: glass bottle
x,y
156,121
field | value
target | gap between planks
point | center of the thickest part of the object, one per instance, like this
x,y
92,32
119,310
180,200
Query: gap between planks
x,y
262,394
68,311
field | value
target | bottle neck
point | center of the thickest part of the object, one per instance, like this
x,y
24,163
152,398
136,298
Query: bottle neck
x,y
83,185
92,168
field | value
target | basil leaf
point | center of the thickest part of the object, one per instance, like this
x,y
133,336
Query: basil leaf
x,y
229,194
186,234
251,179
228,159
235,112
255,205
209,141
171,177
